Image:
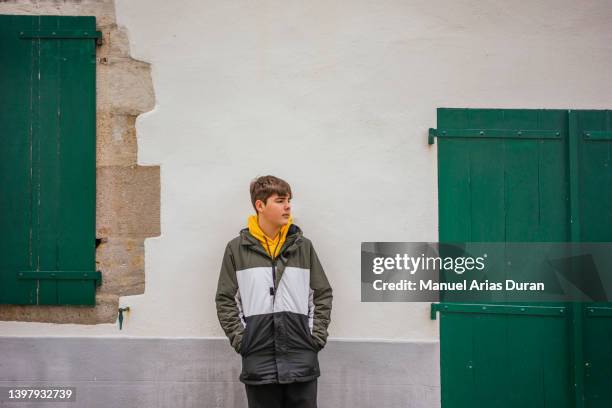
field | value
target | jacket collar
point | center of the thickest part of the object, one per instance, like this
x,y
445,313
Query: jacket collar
x,y
292,242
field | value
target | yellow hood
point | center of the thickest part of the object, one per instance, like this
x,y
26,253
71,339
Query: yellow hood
x,y
271,245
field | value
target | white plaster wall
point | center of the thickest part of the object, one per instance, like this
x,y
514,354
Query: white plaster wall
x,y
335,97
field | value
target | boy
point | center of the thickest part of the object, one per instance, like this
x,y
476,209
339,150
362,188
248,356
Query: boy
x,y
274,302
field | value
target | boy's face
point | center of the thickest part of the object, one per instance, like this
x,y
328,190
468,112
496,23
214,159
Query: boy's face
x,y
276,210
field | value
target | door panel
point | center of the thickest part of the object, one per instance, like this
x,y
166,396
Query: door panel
x,y
593,131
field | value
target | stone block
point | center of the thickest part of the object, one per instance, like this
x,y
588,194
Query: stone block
x,y
116,140
125,87
121,261
115,43
128,202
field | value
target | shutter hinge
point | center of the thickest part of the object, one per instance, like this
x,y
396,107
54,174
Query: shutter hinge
x,y
434,307
432,134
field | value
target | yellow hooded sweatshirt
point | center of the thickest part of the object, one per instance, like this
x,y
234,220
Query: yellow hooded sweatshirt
x,y
271,245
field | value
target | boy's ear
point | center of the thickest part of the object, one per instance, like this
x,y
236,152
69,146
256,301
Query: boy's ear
x,y
259,205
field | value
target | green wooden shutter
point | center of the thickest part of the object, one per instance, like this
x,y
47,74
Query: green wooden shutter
x,y
509,175
47,160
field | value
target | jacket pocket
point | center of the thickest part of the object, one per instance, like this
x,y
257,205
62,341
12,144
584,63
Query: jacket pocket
x,y
244,341
315,344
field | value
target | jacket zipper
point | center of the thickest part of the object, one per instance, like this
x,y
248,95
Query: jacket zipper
x,y
273,261
273,288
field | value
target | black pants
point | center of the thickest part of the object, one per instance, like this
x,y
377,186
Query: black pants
x,y
294,395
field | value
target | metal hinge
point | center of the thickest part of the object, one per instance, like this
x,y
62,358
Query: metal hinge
x,y
434,309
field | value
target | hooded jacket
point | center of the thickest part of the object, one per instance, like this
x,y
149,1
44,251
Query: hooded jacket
x,y
275,312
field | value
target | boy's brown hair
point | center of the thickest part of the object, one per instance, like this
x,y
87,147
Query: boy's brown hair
x,y
263,187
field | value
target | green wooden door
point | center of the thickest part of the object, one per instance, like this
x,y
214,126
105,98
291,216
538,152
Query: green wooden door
x,y
47,160
524,176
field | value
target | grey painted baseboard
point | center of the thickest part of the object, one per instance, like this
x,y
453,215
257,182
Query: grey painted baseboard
x,y
203,373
